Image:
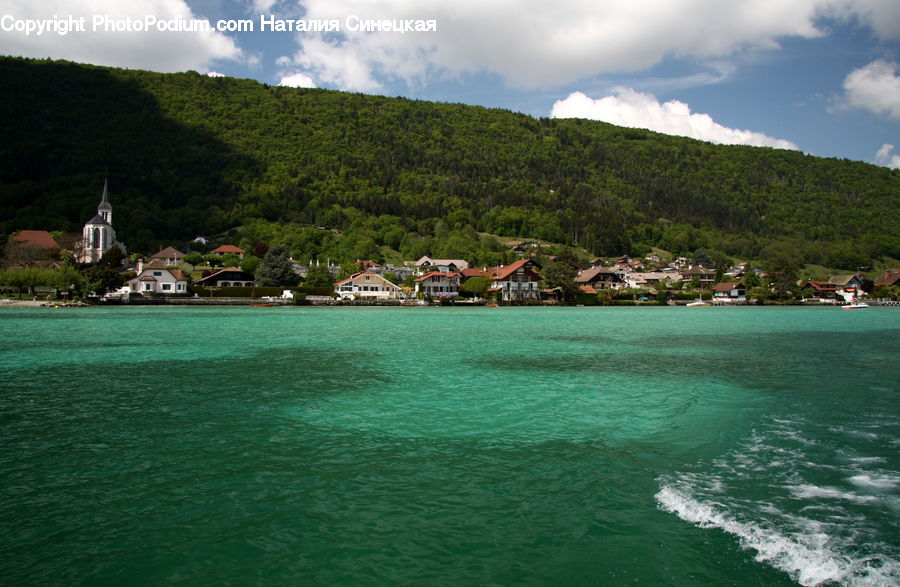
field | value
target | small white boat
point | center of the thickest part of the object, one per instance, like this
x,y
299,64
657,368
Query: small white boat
x,y
699,302
854,305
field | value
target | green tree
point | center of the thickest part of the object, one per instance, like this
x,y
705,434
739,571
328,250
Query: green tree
x,y
319,276
476,286
560,274
193,258
276,269
250,263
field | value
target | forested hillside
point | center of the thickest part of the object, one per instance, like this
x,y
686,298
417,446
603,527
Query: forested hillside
x,y
189,154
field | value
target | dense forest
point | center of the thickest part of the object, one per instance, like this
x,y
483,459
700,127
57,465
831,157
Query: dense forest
x,y
187,155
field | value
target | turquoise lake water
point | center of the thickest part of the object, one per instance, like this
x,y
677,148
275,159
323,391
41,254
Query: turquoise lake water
x,y
449,446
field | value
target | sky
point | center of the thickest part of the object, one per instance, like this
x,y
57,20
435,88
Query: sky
x,y
819,76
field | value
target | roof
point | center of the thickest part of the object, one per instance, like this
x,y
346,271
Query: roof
x,y
97,220
436,274
507,270
843,279
728,286
368,263
591,274
227,269
821,285
168,253
586,289
358,273
35,238
228,249
888,277
473,272
461,263
157,266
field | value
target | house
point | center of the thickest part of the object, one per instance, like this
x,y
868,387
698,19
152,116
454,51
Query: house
x,y
230,277
31,247
652,258
822,291
368,264
649,279
729,293
154,279
228,250
168,256
367,285
438,284
856,282
737,270
426,264
517,281
889,277
597,278
706,277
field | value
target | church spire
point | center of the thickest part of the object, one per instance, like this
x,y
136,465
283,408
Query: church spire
x,y
105,209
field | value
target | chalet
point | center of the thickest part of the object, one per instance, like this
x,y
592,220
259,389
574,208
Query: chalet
x,y
368,264
230,277
652,258
857,282
438,284
707,277
889,277
729,293
426,264
597,278
649,279
822,291
169,256
31,247
367,285
517,281
154,279
228,250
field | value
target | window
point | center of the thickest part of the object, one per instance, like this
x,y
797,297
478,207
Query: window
x,y
157,274
148,286
180,287
167,287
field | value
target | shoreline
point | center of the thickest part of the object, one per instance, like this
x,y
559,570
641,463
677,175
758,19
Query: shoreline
x,y
10,303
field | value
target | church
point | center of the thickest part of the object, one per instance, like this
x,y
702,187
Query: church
x,y
98,235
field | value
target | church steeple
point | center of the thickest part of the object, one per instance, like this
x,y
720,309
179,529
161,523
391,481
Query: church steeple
x,y
98,235
104,210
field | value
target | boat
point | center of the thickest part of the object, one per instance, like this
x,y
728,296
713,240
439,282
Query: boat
x,y
854,305
699,302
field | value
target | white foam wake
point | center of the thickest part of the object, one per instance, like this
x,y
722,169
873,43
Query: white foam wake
x,y
806,557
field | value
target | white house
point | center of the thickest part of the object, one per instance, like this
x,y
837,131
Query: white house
x,y
516,281
731,293
367,285
438,284
154,278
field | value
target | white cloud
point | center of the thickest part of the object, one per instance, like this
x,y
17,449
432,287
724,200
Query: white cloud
x,y
297,80
875,87
638,110
341,66
215,74
155,50
535,43
886,157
